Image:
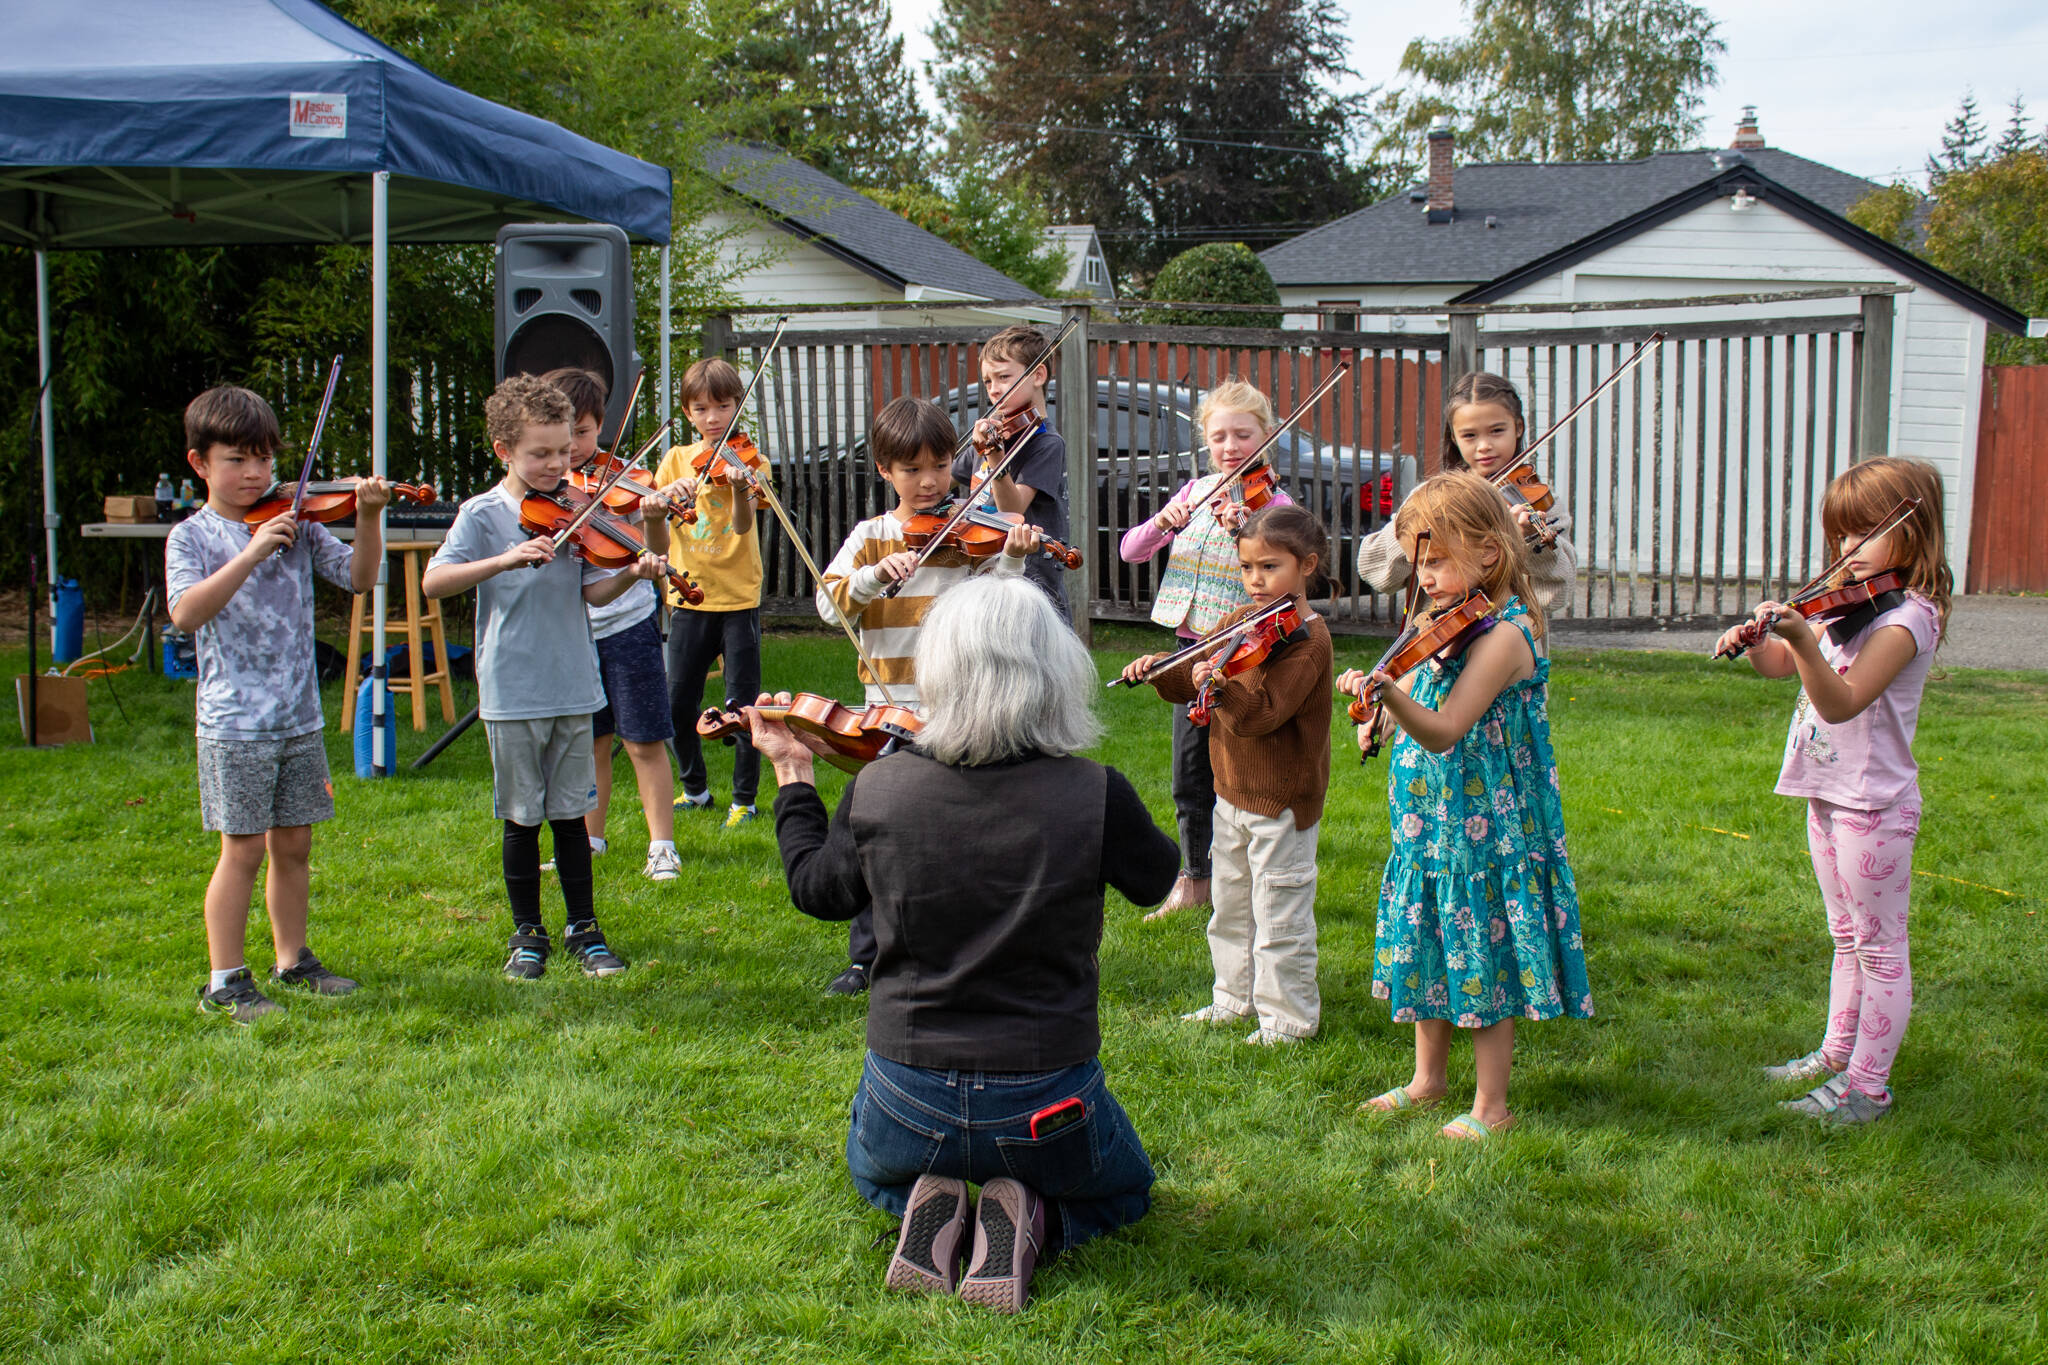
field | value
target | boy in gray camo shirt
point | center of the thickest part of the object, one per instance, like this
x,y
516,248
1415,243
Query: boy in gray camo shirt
x,y
247,596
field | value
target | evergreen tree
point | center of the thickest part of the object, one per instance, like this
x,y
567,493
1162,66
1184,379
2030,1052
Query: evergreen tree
x,y
843,98
1561,80
2015,138
1962,142
1163,122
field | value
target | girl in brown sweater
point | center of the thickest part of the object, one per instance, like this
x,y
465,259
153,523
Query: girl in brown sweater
x,y
1269,744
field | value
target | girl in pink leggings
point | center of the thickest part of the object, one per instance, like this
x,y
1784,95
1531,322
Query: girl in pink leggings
x,y
1850,754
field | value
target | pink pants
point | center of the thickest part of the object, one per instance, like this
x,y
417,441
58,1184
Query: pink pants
x,y
1864,860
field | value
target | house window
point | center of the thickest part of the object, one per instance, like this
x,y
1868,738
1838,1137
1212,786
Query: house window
x,y
1095,271
1330,320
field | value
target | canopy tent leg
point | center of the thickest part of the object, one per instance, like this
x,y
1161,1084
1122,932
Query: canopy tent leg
x,y
49,436
381,763
666,391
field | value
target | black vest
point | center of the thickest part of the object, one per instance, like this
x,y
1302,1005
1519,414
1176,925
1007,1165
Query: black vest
x,y
987,892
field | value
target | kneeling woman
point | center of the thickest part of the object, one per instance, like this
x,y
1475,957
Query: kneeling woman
x,y
984,851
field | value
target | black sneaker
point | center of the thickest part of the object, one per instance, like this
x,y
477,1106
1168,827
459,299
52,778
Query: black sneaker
x,y
529,960
238,999
308,972
852,981
598,958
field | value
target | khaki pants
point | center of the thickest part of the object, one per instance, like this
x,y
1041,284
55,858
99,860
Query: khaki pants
x,y
1262,937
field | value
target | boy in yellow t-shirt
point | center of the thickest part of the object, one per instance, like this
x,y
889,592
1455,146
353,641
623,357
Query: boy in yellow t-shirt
x,y
722,553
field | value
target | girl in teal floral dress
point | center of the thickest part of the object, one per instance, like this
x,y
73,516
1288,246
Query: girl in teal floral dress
x,y
1478,917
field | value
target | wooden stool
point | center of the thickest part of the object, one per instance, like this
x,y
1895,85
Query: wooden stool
x,y
359,626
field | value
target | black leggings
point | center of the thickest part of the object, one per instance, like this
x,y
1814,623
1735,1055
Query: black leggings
x,y
522,872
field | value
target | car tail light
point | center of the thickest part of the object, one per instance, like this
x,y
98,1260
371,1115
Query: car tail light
x,y
1386,486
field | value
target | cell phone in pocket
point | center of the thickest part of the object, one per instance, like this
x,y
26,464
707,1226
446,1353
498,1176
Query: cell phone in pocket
x,y
1055,1117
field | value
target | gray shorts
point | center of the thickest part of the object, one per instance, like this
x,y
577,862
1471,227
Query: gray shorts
x,y
541,770
252,786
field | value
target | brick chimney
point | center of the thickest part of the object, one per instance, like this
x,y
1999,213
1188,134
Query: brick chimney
x,y
1441,144
1746,135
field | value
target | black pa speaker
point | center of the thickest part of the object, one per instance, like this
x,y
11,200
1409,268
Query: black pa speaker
x,y
565,297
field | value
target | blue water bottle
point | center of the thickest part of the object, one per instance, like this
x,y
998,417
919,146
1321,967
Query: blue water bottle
x,y
67,620
366,765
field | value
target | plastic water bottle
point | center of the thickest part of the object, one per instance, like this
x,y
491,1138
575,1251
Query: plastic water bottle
x,y
67,621
165,496
188,500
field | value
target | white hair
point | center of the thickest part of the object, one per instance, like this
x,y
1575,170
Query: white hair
x,y
1000,674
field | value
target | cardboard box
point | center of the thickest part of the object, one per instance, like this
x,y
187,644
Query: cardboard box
x,y
131,509
60,709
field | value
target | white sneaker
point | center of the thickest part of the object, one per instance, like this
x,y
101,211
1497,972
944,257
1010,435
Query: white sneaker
x,y
1263,1036
1211,1014
662,865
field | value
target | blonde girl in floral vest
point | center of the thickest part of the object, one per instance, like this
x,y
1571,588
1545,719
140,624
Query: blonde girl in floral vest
x,y
1201,586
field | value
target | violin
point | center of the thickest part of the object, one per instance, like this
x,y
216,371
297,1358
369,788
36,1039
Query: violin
x,y
623,492
979,534
732,459
1250,650
1819,597
1006,427
1846,608
603,539
1255,488
855,738
1224,635
1445,634
327,500
1520,482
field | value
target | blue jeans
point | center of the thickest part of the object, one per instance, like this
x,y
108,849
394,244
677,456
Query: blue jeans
x,y
909,1121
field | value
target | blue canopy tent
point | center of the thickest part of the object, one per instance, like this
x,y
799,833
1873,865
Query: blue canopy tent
x,y
160,123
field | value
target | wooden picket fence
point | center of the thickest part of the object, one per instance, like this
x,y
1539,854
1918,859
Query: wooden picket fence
x,y
1693,486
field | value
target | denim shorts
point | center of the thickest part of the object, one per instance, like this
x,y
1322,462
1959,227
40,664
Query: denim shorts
x,y
909,1121
635,685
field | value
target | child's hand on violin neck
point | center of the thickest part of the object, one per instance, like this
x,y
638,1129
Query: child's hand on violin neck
x,y
1784,622
1023,540
648,565
371,494
535,552
1352,682
1202,672
1136,669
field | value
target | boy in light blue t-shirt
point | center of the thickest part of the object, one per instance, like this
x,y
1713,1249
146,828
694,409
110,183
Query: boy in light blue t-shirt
x,y
246,594
536,668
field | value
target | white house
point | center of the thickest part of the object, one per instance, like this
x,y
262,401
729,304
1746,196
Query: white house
x,y
1743,219
795,235
1087,266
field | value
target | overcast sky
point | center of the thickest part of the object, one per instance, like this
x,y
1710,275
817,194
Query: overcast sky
x,y
1862,85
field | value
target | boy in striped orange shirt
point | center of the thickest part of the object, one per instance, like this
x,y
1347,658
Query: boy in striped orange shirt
x,y
912,443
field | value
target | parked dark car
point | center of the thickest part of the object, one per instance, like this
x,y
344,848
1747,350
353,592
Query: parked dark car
x,y
1147,444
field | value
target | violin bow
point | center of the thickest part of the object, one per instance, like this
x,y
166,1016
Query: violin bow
x,y
561,537
625,416
960,511
1066,329
1902,509
1263,455
1636,357
1372,746
1229,635
718,455
313,446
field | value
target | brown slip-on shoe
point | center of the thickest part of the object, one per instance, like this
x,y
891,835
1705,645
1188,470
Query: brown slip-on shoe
x,y
1188,892
1009,1229
927,1259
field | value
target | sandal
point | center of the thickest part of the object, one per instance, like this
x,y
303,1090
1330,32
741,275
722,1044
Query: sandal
x,y
1467,1128
1397,1099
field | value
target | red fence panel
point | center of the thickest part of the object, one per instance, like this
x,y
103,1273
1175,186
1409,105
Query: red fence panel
x,y
2009,532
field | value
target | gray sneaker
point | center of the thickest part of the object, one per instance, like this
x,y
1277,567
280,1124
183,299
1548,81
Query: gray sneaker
x,y
1836,1103
238,999
1812,1067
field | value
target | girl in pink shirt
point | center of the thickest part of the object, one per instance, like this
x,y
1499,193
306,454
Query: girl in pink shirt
x,y
1850,754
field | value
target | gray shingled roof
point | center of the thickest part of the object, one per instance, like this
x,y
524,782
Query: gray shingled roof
x,y
842,219
1538,208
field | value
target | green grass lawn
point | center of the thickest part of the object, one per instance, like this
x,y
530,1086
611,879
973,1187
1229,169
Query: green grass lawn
x,y
449,1165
